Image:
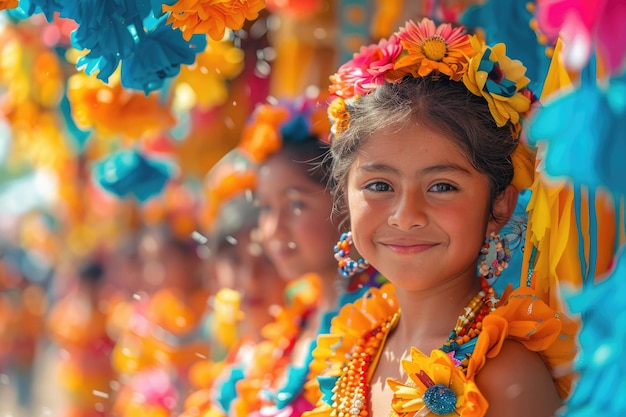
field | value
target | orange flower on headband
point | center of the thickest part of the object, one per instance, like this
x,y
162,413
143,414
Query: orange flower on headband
x,y
262,137
223,190
432,49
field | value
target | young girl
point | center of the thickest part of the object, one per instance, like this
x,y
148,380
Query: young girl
x,y
245,285
425,150
297,231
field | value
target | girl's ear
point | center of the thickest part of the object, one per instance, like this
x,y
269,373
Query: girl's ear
x,y
503,208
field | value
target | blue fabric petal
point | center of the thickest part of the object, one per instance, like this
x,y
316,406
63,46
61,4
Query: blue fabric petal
x,y
47,7
587,145
601,362
612,148
228,392
128,173
158,56
295,130
327,384
508,21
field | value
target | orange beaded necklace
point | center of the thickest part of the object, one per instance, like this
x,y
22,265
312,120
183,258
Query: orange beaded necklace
x,y
351,393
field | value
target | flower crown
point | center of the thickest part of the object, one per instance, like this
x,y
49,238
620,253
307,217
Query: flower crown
x,y
424,49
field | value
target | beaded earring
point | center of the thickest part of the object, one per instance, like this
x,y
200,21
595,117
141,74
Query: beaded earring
x,y
348,266
493,269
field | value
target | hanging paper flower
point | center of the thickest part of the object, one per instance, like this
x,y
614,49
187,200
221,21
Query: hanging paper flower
x,y
211,17
499,80
432,49
129,173
367,69
587,147
600,364
47,7
585,23
112,110
8,4
158,56
437,387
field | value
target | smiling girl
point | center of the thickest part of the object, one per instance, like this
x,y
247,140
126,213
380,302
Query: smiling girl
x,y
425,141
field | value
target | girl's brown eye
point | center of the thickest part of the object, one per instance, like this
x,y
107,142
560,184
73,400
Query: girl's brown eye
x,y
378,186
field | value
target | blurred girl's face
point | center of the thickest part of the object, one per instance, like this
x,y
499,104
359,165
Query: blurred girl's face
x,y
166,265
294,223
242,265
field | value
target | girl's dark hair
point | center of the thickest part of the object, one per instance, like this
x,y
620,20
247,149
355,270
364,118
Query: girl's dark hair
x,y
444,106
311,154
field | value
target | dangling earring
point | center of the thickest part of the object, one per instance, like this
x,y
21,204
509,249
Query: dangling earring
x,y
347,265
501,260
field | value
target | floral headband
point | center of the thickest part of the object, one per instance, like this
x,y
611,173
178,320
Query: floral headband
x,y
272,125
232,177
424,49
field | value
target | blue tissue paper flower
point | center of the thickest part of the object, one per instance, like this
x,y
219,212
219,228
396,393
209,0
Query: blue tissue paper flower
x,y
129,173
585,136
160,53
47,7
601,362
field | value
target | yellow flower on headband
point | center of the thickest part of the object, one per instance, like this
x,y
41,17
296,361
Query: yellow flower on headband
x,y
500,80
339,116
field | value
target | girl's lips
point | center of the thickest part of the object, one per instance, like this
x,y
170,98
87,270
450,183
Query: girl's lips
x,y
409,248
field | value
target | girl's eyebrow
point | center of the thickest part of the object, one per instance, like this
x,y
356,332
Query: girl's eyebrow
x,y
385,168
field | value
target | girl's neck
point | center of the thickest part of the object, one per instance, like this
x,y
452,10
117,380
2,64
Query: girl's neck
x,y
428,316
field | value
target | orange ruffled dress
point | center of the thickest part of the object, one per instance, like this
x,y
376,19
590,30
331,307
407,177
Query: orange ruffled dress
x,y
520,315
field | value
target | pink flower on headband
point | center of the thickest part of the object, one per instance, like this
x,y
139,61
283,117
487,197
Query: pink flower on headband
x,y
367,68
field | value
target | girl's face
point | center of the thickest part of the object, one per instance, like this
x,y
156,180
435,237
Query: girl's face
x,y
294,223
419,210
244,267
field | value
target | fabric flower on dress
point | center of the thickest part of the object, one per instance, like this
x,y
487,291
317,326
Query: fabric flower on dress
x,y
211,17
367,68
436,387
500,80
432,49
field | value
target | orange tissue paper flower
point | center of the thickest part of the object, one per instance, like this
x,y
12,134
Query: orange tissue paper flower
x,y
211,17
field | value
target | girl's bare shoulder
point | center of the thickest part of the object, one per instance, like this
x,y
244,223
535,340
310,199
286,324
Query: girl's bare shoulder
x,y
517,383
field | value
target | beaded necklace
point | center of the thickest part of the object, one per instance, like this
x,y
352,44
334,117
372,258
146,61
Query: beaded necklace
x,y
351,393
